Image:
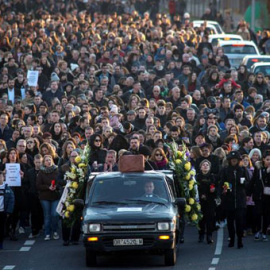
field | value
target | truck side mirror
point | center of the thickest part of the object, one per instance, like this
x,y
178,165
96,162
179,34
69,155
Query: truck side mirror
x,y
79,203
181,202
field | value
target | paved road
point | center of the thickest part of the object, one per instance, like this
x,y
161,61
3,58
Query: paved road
x,y
40,255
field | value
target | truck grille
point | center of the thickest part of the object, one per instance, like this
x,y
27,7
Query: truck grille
x,y
133,227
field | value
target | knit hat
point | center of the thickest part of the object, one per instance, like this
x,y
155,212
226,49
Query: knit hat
x,y
234,155
73,66
114,109
205,160
54,77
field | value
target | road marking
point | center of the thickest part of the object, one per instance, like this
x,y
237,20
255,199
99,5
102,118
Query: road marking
x,y
29,242
9,267
215,261
25,248
219,241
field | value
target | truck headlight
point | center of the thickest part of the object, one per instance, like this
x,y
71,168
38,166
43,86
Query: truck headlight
x,y
163,226
94,227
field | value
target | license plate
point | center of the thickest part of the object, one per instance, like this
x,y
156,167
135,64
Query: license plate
x,y
128,242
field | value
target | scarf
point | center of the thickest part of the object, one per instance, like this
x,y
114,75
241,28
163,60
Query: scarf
x,y
162,163
48,170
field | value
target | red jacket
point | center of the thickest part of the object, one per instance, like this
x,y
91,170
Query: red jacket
x,y
234,84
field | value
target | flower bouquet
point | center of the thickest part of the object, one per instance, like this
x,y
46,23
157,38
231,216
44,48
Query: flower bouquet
x,y
186,183
75,186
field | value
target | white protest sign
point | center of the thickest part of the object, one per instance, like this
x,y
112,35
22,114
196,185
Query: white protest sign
x,y
32,77
60,206
13,176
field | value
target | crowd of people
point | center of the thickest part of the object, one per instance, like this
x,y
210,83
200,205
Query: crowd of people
x,y
125,77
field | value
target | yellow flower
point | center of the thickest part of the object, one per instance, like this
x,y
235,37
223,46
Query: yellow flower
x,y
75,185
192,182
78,159
187,208
73,170
178,161
72,176
187,176
192,172
179,154
82,165
191,201
190,187
194,217
67,214
187,166
198,206
71,208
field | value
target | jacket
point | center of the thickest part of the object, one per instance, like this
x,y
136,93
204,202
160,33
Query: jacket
x,y
32,178
9,199
235,197
44,180
260,179
204,184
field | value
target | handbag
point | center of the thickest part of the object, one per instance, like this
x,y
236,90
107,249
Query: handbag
x,y
266,190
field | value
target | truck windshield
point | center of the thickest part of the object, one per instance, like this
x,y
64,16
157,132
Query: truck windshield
x,y
129,190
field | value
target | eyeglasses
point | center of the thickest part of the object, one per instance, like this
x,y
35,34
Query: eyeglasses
x,y
97,140
73,156
21,145
260,77
158,155
30,142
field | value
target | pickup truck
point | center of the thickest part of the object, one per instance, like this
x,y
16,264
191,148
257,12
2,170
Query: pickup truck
x,y
137,211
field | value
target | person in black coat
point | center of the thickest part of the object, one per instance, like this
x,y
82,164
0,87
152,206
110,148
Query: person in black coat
x,y
207,194
98,154
233,182
261,181
206,149
36,210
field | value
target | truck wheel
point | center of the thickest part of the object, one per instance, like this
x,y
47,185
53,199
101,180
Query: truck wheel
x,y
91,258
170,256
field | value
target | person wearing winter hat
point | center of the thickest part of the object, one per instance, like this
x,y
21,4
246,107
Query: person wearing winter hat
x,y
54,77
233,182
207,195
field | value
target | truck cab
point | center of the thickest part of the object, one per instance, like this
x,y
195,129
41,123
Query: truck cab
x,y
131,211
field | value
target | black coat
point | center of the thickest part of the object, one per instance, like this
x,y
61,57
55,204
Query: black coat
x,y
31,175
204,183
98,155
260,178
235,197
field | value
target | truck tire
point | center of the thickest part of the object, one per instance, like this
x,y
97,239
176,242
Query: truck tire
x,y
170,257
90,258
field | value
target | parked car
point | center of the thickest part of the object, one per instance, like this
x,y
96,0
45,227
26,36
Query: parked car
x,y
261,67
237,50
214,39
213,25
250,60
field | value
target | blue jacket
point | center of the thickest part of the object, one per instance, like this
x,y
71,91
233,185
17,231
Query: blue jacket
x,y
9,200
